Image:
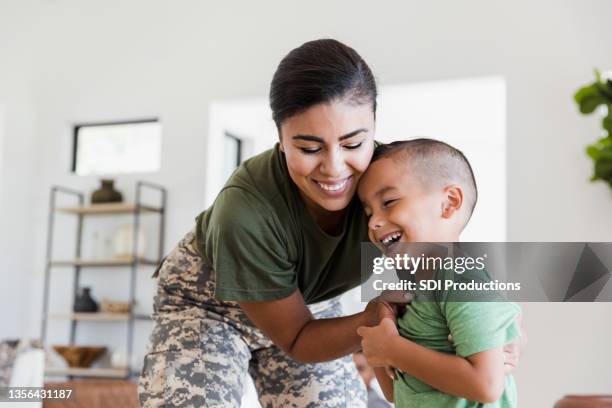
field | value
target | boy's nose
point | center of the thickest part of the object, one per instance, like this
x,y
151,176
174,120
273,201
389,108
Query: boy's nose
x,y
375,222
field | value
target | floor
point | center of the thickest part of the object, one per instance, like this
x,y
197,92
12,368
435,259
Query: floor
x,y
95,394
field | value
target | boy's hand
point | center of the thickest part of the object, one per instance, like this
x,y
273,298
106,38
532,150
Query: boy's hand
x,y
375,342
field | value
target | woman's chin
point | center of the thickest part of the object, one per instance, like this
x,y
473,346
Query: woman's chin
x,y
335,205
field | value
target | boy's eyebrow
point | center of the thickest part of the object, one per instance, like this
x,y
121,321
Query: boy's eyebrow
x,y
311,138
384,190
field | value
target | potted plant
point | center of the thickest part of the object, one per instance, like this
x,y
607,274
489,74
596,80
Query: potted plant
x,y
589,98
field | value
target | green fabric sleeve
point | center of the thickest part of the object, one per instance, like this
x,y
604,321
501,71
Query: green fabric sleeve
x,y
481,326
247,247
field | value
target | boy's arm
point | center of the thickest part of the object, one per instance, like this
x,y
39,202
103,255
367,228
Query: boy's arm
x,y
480,377
386,384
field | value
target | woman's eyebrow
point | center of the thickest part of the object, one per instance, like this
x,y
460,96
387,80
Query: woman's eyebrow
x,y
351,134
308,138
311,138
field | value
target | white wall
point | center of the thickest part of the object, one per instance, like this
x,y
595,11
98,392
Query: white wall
x,y
16,204
66,61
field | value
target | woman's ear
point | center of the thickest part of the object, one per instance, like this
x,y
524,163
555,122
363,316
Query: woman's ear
x,y
453,200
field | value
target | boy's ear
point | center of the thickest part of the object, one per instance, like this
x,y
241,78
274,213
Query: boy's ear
x,y
453,200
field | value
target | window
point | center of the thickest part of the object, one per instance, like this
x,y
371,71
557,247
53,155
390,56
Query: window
x,y
114,148
232,146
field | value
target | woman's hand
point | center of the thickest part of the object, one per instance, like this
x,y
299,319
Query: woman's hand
x,y
375,342
513,351
390,304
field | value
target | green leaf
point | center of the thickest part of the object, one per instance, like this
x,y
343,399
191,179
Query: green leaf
x,y
597,75
588,98
604,141
606,153
607,121
600,151
605,91
603,169
593,152
585,92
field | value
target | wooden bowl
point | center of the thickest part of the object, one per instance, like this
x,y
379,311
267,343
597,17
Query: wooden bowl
x,y
80,356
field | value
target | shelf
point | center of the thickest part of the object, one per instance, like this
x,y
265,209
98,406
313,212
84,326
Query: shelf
x,y
93,316
111,262
109,208
106,317
74,262
88,372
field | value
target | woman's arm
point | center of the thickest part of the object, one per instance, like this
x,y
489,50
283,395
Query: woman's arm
x,y
290,325
479,377
386,384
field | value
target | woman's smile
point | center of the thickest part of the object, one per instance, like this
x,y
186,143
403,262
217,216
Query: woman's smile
x,y
334,188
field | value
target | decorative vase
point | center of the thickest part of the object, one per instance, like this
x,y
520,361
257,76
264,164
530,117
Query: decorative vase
x,y
585,401
123,241
118,359
84,303
106,193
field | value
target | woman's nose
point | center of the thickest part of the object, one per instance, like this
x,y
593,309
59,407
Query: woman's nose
x,y
333,165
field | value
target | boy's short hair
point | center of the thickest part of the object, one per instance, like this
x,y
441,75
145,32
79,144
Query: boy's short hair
x,y
435,163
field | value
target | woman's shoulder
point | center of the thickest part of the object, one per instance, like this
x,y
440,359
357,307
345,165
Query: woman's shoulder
x,y
257,194
264,175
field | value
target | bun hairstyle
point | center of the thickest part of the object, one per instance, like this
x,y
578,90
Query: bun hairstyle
x,y
317,72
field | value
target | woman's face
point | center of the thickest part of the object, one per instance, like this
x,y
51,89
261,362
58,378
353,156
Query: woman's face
x,y
328,147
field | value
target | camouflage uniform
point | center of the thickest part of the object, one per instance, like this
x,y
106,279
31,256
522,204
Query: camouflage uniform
x,y
201,349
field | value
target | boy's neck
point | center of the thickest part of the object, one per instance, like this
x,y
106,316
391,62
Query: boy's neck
x,y
449,237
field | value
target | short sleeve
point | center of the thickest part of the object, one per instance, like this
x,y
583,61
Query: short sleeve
x,y
481,326
247,249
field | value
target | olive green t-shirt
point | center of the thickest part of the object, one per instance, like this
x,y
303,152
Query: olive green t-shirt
x,y
475,327
263,244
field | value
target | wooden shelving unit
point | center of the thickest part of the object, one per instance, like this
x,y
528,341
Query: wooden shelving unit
x,y
82,211
101,317
110,208
96,317
101,263
89,372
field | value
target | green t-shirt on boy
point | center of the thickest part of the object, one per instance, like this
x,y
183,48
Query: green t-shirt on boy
x,y
475,326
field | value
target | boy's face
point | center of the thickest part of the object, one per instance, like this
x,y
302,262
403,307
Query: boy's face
x,y
398,207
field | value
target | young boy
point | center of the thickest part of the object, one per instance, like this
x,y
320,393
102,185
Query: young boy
x,y
424,190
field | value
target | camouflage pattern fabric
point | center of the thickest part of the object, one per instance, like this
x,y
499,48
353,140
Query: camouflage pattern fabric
x,y
202,348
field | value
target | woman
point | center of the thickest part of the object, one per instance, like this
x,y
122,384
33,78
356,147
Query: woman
x,y
254,288
283,233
